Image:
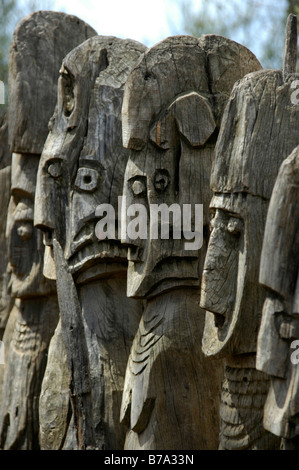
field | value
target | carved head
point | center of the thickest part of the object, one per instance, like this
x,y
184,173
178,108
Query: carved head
x,y
40,41
279,274
255,137
83,161
173,105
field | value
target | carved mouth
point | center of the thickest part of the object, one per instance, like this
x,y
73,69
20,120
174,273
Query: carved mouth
x,y
96,251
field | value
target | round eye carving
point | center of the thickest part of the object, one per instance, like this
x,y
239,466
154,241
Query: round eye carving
x,y
161,180
138,188
87,179
55,169
234,226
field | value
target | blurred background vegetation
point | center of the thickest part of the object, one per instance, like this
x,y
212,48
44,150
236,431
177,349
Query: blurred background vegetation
x,y
257,24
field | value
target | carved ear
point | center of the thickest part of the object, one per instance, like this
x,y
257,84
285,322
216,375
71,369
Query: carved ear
x,y
193,116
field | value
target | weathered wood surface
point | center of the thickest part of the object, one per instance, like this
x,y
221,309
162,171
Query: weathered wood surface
x,y
244,392
40,42
279,273
289,60
82,166
54,400
259,130
173,105
35,321
5,174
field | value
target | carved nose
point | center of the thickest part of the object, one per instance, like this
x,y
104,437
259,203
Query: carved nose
x,y
43,209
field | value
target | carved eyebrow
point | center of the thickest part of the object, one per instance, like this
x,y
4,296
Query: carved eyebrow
x,y
64,70
21,193
143,177
228,212
90,163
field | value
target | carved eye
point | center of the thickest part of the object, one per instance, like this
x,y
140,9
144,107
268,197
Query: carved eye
x,y
161,180
25,231
235,226
55,169
138,186
68,93
87,179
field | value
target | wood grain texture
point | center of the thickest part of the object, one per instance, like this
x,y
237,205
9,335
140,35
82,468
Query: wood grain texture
x,y
279,272
33,327
289,60
259,129
40,42
82,166
173,105
5,182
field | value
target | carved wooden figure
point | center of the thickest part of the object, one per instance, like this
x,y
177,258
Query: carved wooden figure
x,y
173,105
82,166
259,129
39,43
277,347
5,175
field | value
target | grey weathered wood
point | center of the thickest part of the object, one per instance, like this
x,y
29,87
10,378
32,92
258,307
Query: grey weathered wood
x,y
258,131
55,396
33,323
33,318
5,174
173,105
289,60
76,351
244,392
40,42
279,273
82,166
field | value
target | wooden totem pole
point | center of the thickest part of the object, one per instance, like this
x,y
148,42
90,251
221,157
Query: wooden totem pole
x,y
82,167
173,105
277,347
39,43
259,129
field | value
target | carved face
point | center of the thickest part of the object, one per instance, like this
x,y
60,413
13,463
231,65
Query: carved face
x,y
277,347
172,169
173,103
246,165
25,242
83,161
230,275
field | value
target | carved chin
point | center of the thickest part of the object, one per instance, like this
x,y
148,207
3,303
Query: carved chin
x,y
31,285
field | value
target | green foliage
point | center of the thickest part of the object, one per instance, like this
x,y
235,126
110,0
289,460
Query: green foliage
x,y
258,25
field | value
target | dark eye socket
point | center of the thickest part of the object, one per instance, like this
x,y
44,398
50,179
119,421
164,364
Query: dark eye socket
x,y
68,93
138,186
55,169
161,180
87,179
235,226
